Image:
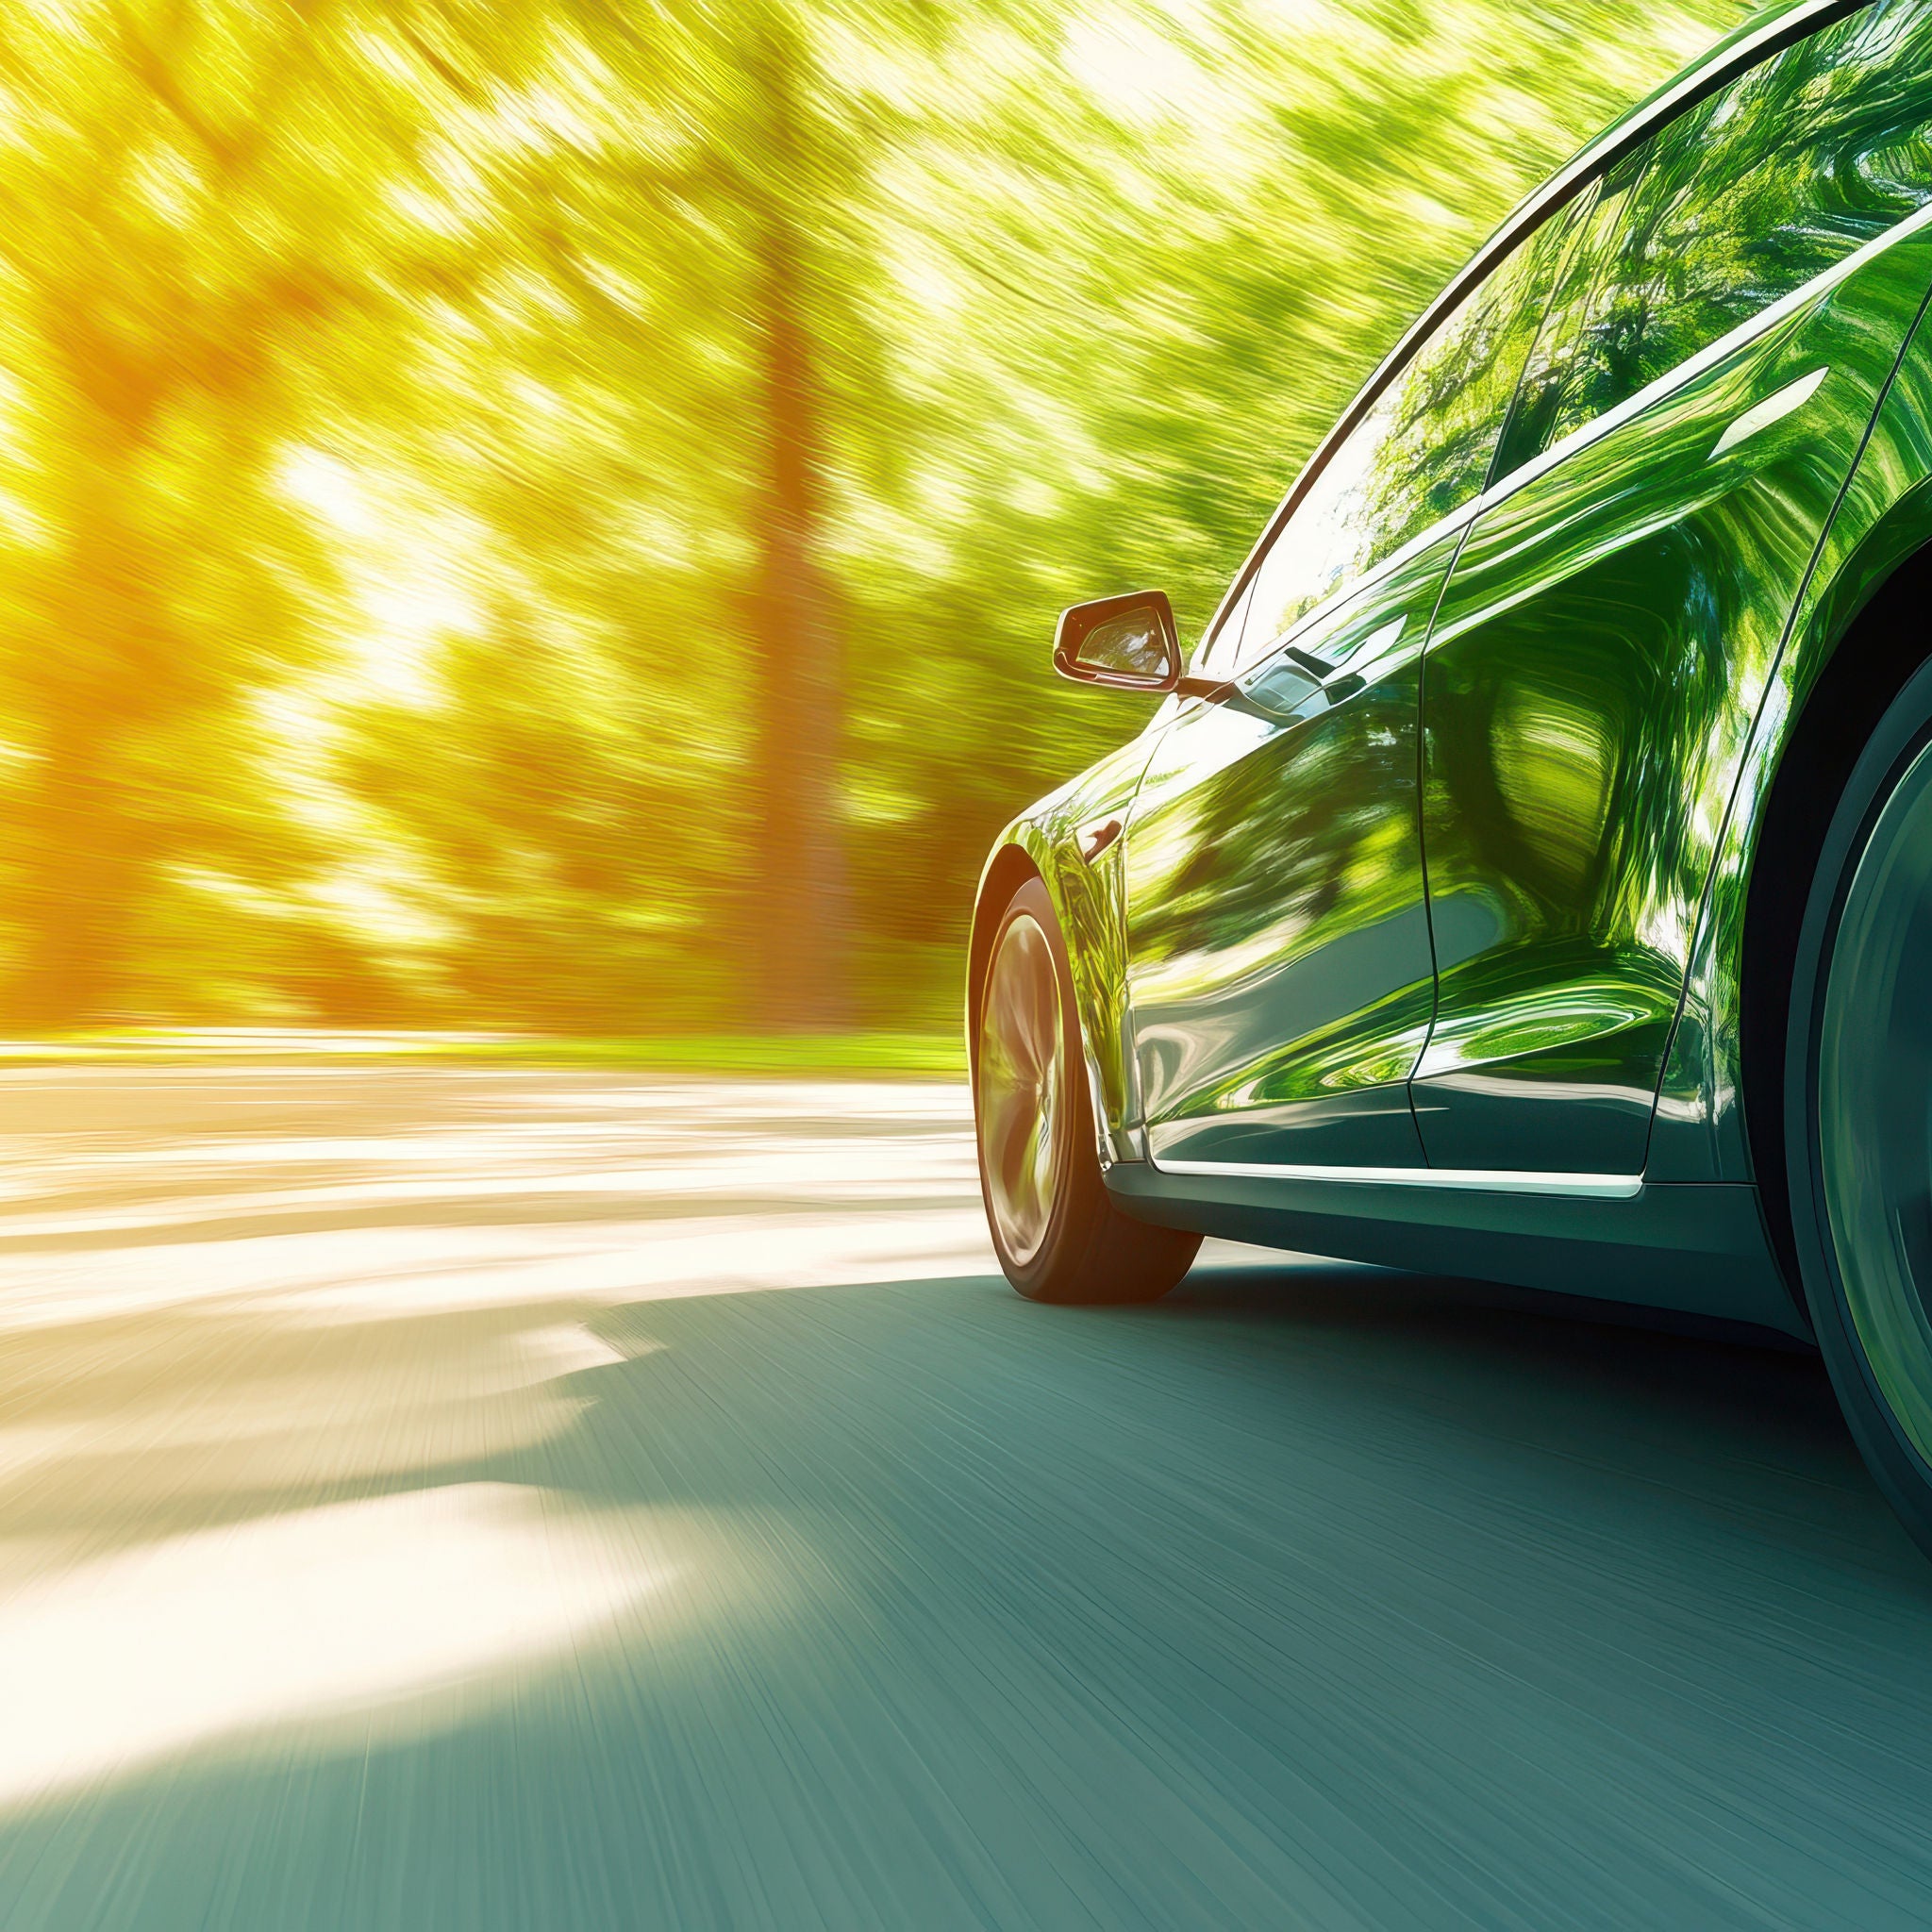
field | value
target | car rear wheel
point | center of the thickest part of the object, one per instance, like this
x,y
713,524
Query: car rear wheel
x,y
1059,1236
1858,1104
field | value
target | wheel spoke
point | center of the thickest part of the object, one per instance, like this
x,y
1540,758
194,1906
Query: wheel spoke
x,y
1009,1022
1021,1071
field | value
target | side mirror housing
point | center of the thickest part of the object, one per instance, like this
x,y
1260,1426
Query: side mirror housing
x,y
1123,643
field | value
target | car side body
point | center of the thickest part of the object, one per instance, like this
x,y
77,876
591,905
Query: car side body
x,y
1454,931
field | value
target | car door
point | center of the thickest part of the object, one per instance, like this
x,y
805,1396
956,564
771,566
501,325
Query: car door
x,y
1735,300
1281,976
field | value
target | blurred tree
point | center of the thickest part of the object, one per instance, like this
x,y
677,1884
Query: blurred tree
x,y
148,247
799,864
198,204
550,513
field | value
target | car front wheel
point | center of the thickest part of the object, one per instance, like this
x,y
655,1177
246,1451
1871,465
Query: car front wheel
x,y
1858,1104
1059,1236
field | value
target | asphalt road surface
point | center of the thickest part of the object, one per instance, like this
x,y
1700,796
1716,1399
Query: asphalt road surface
x,y
475,1499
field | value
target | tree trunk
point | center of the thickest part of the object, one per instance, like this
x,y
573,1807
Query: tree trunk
x,y
89,825
78,887
800,912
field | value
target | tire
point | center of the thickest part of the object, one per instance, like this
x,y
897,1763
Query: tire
x,y
1059,1236
1858,1104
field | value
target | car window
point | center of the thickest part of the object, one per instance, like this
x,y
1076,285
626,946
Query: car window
x,y
1556,368
1422,450
1745,197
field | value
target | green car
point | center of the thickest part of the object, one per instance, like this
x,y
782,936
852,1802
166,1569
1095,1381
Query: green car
x,y
1530,875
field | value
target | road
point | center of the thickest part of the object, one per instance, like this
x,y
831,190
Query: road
x,y
480,1498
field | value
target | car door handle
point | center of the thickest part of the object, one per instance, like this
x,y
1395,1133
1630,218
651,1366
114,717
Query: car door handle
x,y
1338,686
1773,408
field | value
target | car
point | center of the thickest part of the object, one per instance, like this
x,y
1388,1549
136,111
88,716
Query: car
x,y
1528,874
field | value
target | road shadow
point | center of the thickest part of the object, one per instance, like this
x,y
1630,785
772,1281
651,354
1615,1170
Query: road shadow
x,y
1273,1352
1310,1595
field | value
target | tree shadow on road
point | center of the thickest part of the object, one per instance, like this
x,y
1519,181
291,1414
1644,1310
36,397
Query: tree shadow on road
x,y
1310,1595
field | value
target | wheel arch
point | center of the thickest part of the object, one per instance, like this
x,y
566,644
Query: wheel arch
x,y
1009,868
1087,901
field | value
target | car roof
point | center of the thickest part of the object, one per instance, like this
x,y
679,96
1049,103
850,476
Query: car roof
x,y
1759,37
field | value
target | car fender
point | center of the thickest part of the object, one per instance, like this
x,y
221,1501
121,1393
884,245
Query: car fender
x,y
1070,840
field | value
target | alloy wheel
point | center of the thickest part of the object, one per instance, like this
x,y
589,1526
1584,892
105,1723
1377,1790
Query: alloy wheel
x,y
1022,1082
1874,1121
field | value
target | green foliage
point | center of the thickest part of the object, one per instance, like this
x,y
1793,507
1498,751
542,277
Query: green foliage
x,y
402,487
783,1056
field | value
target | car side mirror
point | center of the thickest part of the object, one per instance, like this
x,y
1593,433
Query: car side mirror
x,y
1126,643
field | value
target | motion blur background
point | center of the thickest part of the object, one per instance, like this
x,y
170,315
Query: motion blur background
x,y
543,519
547,515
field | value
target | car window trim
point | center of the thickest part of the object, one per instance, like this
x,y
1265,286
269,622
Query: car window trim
x,y
1766,320
1722,64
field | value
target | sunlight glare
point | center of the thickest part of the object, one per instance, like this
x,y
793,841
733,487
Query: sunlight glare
x,y
292,1619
